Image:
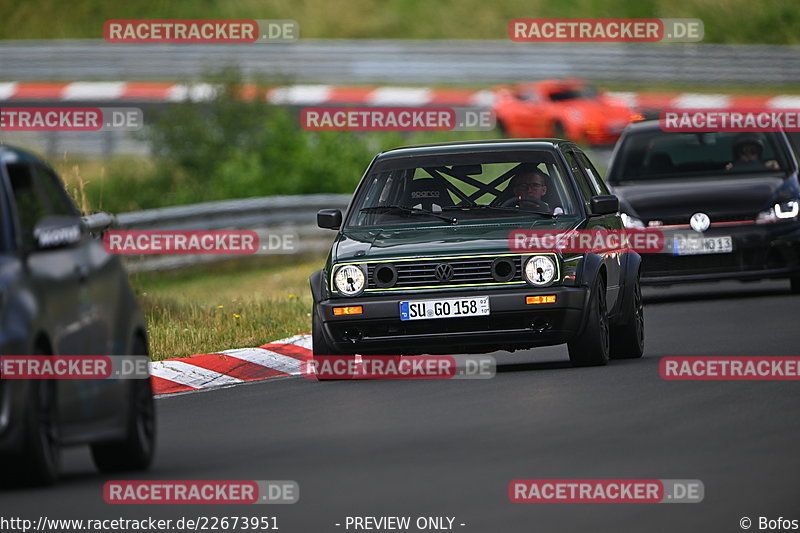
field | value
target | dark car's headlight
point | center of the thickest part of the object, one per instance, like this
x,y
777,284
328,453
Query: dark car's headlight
x,y
780,211
540,270
349,279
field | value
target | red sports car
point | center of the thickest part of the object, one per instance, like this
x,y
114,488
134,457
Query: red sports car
x,y
567,109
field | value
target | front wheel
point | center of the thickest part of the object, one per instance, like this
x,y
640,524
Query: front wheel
x,y
42,456
320,347
319,342
591,348
38,464
627,339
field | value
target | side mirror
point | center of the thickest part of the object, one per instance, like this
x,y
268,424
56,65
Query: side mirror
x,y
329,218
606,204
98,223
57,231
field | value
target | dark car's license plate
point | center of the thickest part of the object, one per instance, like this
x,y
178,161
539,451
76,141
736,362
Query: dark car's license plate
x,y
702,245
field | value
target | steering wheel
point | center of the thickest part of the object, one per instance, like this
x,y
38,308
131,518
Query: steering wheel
x,y
515,202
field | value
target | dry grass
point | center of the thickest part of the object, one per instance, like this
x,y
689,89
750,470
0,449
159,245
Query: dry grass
x,y
223,308
111,184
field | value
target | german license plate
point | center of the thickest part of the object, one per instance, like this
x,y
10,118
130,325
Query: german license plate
x,y
445,308
702,245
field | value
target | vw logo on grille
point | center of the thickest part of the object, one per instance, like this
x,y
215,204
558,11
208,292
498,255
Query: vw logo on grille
x,y
443,272
700,222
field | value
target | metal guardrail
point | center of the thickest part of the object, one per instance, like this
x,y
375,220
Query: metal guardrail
x,y
272,215
404,61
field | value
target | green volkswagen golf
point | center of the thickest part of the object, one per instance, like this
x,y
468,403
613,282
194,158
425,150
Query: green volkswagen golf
x,y
424,261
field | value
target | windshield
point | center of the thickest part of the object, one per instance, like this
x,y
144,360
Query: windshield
x,y
572,93
657,154
454,188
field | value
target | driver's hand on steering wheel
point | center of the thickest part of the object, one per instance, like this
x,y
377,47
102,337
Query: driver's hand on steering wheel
x,y
527,202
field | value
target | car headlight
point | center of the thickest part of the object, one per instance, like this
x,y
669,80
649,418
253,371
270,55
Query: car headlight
x,y
631,222
780,211
349,280
540,270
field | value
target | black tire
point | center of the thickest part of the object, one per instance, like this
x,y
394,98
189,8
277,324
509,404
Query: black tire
x,y
591,347
136,450
319,343
42,455
627,339
39,462
795,284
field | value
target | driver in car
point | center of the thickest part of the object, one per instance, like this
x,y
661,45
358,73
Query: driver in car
x,y
529,187
748,150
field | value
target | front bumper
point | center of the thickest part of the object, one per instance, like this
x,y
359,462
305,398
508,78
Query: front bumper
x,y
511,324
760,251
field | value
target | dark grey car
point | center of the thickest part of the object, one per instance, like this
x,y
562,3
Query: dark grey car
x,y
62,294
735,195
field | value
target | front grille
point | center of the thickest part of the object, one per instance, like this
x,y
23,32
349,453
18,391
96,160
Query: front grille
x,y
684,220
465,271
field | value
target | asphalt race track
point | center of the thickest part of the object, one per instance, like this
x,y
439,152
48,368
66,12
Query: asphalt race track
x,y
450,448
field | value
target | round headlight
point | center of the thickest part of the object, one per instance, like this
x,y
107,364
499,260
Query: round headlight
x,y
540,270
349,280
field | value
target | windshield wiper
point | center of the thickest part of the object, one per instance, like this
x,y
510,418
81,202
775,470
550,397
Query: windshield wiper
x,y
506,208
415,210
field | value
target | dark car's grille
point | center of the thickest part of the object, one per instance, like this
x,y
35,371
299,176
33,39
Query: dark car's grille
x,y
465,271
666,264
715,219
742,260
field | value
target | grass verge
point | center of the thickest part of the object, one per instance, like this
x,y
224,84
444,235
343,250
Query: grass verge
x,y
234,305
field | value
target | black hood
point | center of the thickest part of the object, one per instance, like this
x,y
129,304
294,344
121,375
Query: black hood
x,y
729,198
